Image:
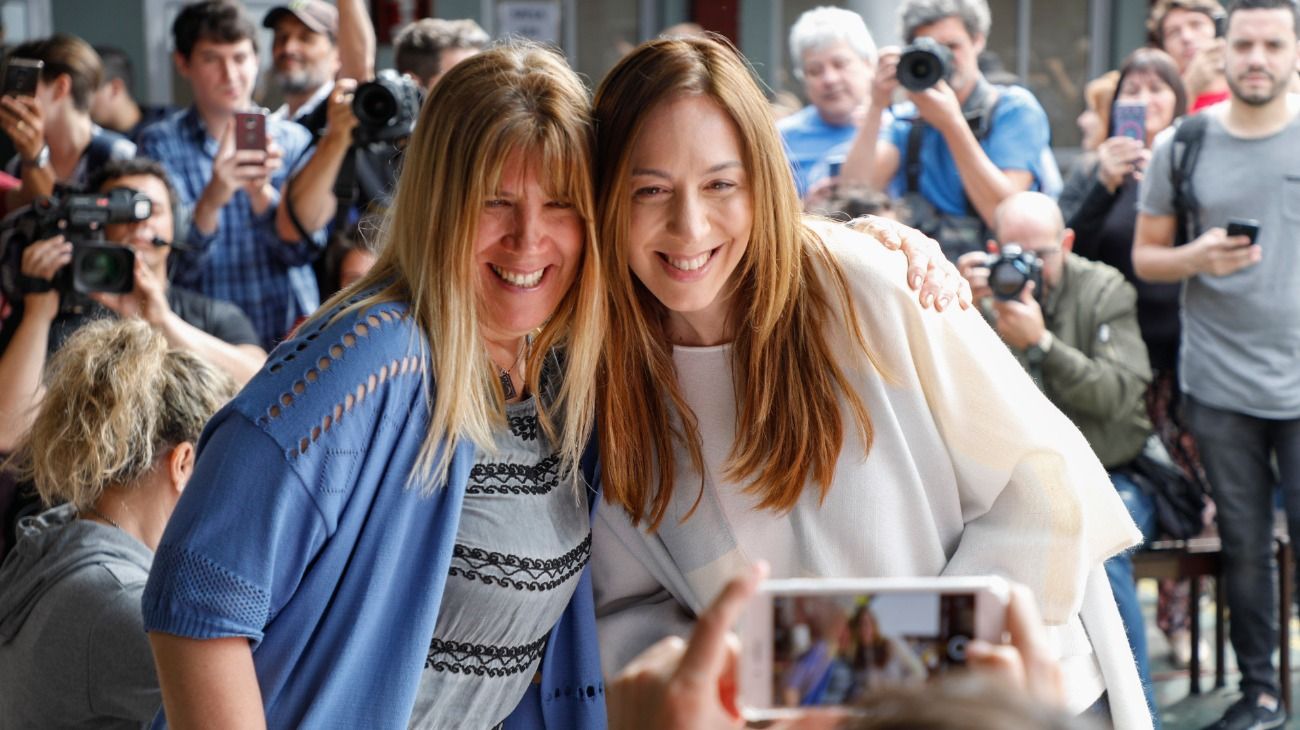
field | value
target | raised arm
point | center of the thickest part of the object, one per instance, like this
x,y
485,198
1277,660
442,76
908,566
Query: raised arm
x,y
356,41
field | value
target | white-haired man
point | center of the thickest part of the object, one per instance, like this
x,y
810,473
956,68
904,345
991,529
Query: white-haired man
x,y
835,58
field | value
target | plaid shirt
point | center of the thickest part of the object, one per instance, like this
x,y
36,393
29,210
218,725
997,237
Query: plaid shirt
x,y
244,261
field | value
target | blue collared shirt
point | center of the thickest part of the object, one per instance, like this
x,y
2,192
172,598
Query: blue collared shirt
x,y
244,261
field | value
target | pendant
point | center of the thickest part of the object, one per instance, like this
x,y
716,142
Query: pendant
x,y
507,386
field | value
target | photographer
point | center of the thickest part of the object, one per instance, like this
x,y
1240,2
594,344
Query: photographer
x,y
313,43
962,145
1186,30
214,330
56,140
1073,325
367,152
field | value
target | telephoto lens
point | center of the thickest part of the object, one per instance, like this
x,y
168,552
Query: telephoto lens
x,y
923,63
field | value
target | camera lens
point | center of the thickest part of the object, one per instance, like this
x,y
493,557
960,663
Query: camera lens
x,y
103,268
1007,278
374,105
923,63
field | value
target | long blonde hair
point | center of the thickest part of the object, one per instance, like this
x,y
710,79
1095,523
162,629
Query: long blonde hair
x,y
516,97
788,383
117,397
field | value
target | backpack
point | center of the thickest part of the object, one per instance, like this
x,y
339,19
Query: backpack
x,y
1189,133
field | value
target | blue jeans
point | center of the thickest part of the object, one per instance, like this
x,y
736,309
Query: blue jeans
x,y
1119,570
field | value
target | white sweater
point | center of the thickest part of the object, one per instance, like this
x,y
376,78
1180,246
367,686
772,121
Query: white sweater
x,y
972,471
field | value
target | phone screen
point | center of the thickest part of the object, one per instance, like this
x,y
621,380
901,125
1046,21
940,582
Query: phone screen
x,y
831,650
1131,120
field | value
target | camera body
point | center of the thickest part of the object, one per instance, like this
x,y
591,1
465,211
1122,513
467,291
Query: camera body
x,y
97,266
923,63
386,108
1011,269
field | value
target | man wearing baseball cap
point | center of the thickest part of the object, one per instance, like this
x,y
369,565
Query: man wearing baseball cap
x,y
304,59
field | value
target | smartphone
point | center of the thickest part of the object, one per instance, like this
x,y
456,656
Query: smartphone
x,y
834,165
1130,120
21,75
250,131
1244,227
827,642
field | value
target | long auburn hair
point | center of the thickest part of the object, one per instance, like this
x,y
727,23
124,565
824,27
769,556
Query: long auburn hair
x,y
516,97
788,384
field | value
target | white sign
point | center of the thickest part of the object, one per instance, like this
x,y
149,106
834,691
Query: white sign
x,y
539,21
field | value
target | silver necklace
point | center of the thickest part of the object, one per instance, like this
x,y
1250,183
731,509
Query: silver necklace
x,y
104,517
507,384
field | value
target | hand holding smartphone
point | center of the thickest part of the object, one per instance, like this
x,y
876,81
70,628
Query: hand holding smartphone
x,y
827,643
21,75
250,131
1130,120
1247,227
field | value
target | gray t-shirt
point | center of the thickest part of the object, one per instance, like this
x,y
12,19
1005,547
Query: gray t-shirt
x,y
523,541
1241,333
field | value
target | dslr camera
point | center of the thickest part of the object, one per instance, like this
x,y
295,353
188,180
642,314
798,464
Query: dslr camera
x,y
97,265
923,63
1013,268
386,108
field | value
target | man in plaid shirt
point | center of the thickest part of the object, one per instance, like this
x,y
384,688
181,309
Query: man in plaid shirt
x,y
232,249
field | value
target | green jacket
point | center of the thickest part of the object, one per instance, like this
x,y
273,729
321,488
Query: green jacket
x,y
1097,370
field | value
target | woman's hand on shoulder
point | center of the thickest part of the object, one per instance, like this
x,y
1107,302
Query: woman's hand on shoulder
x,y
935,278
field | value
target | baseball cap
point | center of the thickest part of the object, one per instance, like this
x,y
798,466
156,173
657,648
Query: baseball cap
x,y
318,16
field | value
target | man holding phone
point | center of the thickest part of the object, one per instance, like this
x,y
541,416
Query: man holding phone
x,y
231,171
1241,321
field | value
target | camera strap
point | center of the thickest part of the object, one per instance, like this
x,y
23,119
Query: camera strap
x,y
33,285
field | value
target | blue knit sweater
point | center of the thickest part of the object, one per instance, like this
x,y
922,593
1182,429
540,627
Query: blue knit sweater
x,y
299,531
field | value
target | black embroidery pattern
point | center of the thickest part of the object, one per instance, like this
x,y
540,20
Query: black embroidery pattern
x,y
538,479
524,427
483,660
521,574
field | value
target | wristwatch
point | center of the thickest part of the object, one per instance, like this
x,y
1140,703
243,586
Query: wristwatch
x,y
42,158
1037,352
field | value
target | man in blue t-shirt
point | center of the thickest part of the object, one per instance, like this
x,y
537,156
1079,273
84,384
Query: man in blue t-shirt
x,y
834,56
977,144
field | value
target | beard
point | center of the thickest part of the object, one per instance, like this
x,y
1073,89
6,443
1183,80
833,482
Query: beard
x,y
1253,98
299,82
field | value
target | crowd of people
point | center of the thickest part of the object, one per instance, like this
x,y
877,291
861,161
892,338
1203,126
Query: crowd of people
x,y
459,394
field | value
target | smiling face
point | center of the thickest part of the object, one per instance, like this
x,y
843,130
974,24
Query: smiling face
x,y
526,253
836,80
691,213
1146,87
140,236
302,58
1261,54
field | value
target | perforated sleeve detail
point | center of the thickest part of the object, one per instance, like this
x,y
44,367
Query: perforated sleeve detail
x,y
367,324
191,595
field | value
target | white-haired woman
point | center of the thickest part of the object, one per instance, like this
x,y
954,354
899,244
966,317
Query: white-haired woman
x,y
113,446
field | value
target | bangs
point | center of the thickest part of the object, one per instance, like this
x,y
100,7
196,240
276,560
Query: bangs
x,y
560,161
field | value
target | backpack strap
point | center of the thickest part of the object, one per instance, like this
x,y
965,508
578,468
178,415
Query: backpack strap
x,y
1188,136
979,110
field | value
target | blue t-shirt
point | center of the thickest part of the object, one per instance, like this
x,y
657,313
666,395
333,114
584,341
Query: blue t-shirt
x,y
808,140
300,531
1019,139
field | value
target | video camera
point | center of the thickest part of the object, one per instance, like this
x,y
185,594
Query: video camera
x,y
923,63
386,108
1012,269
97,266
